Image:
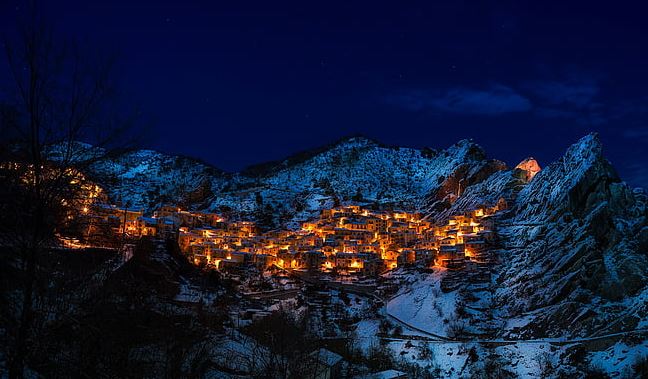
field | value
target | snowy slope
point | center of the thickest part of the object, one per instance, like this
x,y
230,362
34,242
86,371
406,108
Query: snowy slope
x,y
573,259
423,305
358,167
575,248
293,190
573,244
146,178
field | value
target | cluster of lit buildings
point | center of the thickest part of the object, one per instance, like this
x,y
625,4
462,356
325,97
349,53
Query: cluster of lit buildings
x,y
348,239
132,222
344,240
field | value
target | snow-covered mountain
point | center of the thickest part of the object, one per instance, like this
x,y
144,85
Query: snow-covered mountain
x,y
575,249
572,255
146,178
354,169
574,240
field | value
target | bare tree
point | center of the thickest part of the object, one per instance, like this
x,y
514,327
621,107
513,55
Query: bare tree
x,y
281,346
61,98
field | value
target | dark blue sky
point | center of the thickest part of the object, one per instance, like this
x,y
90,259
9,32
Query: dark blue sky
x,y
236,83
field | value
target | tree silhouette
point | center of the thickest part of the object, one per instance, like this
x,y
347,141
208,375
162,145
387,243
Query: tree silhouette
x,y
60,97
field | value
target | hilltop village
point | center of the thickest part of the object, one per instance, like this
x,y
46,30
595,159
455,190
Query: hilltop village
x,y
347,240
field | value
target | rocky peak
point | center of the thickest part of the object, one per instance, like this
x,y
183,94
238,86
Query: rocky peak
x,y
529,168
587,148
573,244
354,141
569,182
467,149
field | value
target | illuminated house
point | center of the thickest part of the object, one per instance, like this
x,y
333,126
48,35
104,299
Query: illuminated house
x,y
450,256
354,224
127,218
146,226
313,260
236,258
350,261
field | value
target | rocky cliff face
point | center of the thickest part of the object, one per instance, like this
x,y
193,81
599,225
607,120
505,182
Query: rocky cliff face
x,y
529,167
572,252
501,187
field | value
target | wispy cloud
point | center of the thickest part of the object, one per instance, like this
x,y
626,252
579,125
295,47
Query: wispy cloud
x,y
579,93
637,175
574,95
641,133
590,117
494,100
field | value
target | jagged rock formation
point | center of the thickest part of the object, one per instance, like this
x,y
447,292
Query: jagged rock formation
x,y
530,167
573,257
501,187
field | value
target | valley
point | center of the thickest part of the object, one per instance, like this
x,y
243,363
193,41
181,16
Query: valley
x,y
429,264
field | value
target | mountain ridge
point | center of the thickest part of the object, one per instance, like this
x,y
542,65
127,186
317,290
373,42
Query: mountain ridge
x,y
571,239
404,177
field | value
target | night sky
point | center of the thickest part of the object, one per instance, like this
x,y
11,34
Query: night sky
x,y
236,83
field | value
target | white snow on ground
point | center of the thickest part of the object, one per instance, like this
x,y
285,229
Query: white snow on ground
x,y
445,355
423,305
518,322
366,334
524,359
189,293
618,359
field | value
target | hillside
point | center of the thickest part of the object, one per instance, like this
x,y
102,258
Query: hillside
x,y
573,240
574,248
569,262
145,179
353,169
